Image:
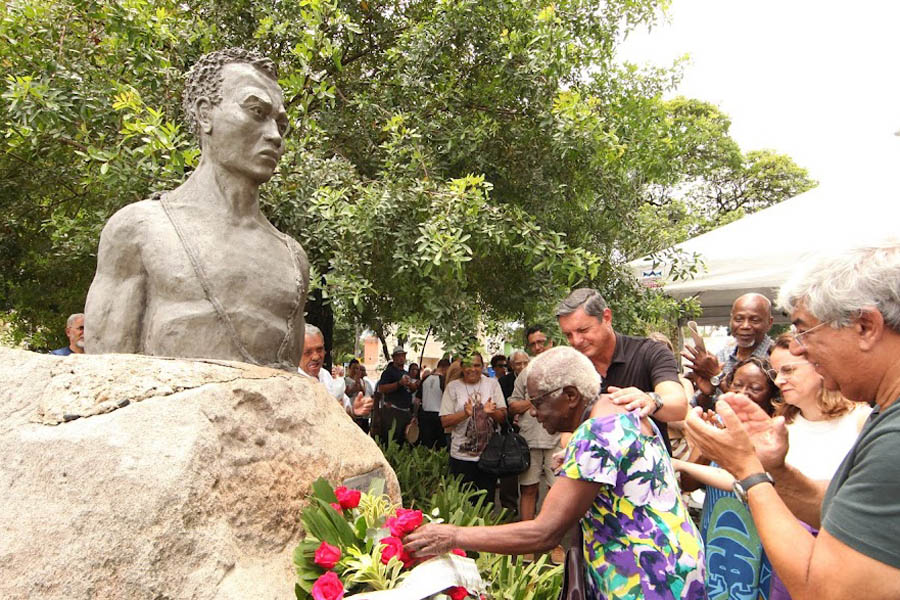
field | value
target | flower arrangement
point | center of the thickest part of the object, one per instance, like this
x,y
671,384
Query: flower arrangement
x,y
354,545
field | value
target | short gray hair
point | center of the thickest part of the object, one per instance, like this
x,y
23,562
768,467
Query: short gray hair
x,y
588,299
836,287
515,352
313,330
72,318
562,366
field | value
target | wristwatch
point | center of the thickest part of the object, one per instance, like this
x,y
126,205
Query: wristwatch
x,y
715,380
743,486
657,401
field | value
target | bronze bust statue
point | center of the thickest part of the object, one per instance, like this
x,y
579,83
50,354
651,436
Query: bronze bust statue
x,y
199,272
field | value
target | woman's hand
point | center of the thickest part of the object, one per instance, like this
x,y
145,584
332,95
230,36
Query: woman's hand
x,y
431,540
489,407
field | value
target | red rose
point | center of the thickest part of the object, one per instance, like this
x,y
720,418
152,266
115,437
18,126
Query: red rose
x,y
327,555
394,547
405,522
328,587
458,593
458,552
337,507
347,498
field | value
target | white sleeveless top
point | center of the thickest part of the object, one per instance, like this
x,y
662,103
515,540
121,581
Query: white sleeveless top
x,y
817,448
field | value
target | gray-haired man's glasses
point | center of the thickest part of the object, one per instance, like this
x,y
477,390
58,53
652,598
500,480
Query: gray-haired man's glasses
x,y
799,335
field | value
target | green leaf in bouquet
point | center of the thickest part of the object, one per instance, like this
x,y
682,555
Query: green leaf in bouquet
x,y
360,527
344,533
375,508
323,490
366,568
317,524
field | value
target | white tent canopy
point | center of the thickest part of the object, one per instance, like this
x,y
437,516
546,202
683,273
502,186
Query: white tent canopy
x,y
758,253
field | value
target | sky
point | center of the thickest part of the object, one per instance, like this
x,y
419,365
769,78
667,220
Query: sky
x,y
816,80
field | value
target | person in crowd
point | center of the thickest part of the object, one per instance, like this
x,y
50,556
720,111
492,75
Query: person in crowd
x,y
431,431
736,566
75,333
471,407
541,443
413,371
845,309
617,479
638,372
398,389
518,360
498,366
354,384
677,442
311,361
822,425
751,319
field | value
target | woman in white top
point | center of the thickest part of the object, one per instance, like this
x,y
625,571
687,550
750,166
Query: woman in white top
x,y
470,408
822,425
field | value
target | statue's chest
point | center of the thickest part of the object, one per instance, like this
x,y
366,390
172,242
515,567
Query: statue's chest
x,y
239,268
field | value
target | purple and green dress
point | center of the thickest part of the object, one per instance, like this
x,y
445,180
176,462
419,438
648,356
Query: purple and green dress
x,y
639,541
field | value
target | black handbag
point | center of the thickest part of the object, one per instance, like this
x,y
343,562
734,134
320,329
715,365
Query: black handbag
x,y
506,453
573,583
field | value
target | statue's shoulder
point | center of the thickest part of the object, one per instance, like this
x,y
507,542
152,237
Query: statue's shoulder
x,y
131,222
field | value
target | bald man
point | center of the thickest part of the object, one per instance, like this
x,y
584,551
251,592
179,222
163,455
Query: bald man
x,y
751,319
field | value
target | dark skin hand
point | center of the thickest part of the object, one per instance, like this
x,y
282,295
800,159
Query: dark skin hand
x,y
702,363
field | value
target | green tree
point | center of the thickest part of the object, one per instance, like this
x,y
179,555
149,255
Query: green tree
x,y
452,162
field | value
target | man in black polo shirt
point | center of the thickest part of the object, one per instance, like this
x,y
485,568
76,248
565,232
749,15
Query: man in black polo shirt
x,y
638,372
397,387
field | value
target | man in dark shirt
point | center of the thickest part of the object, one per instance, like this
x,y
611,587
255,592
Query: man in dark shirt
x,y
638,372
397,387
75,333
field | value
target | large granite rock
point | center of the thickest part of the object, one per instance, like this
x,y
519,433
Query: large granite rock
x,y
135,477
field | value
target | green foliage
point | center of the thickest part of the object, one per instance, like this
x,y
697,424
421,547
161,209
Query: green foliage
x,y
420,470
511,578
451,163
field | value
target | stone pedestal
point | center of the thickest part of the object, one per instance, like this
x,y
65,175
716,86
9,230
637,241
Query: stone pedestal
x,y
134,477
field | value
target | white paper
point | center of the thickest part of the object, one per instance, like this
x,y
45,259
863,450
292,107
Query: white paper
x,y
432,576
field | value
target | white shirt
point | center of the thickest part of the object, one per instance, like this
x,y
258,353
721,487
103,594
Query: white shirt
x,y
817,448
431,394
334,386
465,443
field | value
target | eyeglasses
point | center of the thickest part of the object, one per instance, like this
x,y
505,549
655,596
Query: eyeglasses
x,y
786,370
798,335
539,399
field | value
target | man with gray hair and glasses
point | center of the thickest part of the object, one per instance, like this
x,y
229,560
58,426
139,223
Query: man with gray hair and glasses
x,y
638,372
75,333
845,310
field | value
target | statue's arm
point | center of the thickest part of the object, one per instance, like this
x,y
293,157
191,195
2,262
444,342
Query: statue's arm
x,y
117,300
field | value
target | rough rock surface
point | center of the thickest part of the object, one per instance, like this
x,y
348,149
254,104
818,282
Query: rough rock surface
x,y
191,489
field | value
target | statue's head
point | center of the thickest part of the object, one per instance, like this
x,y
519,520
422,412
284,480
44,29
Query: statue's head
x,y
233,103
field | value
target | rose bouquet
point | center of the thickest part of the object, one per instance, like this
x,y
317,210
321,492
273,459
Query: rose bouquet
x,y
354,545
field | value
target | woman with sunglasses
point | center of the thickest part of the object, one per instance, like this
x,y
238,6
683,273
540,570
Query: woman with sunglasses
x,y
736,566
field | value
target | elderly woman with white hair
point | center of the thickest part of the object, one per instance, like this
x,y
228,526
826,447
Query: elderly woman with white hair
x,y
616,478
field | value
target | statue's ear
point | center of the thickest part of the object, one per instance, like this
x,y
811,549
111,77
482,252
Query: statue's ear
x,y
203,112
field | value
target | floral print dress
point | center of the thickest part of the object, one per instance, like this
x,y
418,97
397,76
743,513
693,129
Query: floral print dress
x,y
639,541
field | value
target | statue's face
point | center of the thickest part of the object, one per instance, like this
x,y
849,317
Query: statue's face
x,y
244,131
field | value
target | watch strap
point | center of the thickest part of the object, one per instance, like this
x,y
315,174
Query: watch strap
x,y
743,486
